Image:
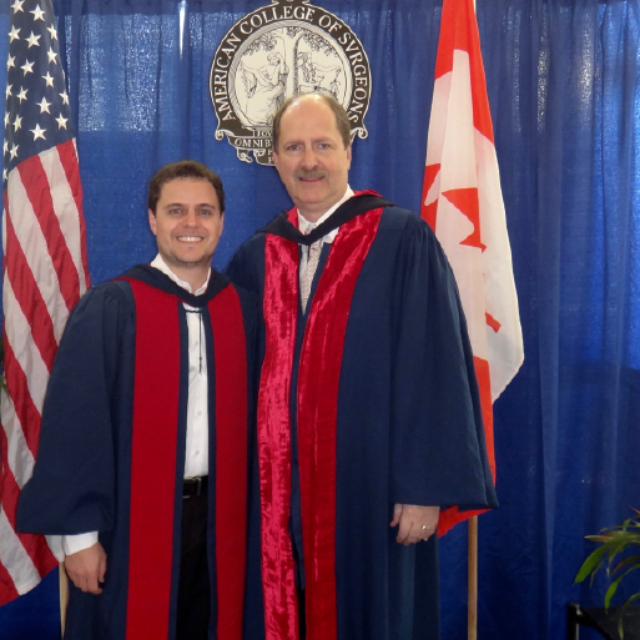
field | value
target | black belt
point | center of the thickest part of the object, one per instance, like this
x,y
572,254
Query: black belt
x,y
195,486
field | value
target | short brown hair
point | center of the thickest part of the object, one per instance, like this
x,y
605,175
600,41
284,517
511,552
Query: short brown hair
x,y
183,169
342,120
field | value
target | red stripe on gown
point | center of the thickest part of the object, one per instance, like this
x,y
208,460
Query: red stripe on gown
x,y
231,459
274,437
153,462
320,363
154,451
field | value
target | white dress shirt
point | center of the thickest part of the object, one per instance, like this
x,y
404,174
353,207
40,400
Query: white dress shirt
x,y
197,445
305,227
196,459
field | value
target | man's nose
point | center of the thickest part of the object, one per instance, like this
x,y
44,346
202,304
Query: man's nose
x,y
309,159
191,218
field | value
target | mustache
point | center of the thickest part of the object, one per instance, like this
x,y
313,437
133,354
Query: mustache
x,y
311,174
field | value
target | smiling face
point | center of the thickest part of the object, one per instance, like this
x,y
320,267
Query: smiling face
x,y
187,224
311,159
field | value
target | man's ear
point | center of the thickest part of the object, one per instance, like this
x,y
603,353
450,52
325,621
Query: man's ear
x,y
152,221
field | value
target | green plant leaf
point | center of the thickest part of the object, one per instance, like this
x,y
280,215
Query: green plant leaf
x,y
627,561
603,538
611,591
591,565
614,541
618,542
612,544
613,586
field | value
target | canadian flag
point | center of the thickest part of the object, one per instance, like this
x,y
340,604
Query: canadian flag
x,y
462,202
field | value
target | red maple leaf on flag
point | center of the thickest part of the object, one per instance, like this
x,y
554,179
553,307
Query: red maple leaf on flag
x,y
462,202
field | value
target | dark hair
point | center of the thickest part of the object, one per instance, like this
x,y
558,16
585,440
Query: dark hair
x,y
342,120
183,169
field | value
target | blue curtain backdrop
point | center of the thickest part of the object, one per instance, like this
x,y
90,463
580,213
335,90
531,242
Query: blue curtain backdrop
x,y
564,89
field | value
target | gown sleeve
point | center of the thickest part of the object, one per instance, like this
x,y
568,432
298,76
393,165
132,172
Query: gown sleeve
x,y
72,489
438,445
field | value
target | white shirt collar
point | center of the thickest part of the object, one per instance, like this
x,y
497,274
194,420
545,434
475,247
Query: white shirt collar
x,y
159,264
304,224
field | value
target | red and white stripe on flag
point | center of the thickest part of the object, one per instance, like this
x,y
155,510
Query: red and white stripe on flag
x,y
462,202
44,272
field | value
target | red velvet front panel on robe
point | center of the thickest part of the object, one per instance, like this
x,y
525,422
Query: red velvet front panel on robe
x,y
274,438
318,380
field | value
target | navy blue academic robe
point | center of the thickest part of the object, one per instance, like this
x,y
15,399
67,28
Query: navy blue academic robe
x,y
83,477
408,421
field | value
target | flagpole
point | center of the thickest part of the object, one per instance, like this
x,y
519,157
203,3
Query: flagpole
x,y
472,579
64,596
472,562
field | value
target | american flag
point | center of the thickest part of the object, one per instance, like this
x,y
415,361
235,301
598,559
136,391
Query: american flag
x,y
45,267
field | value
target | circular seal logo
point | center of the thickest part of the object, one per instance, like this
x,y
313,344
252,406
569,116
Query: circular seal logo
x,y
279,50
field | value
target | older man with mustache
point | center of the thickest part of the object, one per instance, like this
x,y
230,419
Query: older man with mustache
x,y
368,414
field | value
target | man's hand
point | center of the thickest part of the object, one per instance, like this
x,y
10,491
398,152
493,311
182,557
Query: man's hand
x,y
86,568
416,522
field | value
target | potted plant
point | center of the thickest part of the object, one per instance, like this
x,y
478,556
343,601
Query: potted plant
x,y
613,542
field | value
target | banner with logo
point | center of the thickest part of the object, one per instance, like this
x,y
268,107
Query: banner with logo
x,y
284,49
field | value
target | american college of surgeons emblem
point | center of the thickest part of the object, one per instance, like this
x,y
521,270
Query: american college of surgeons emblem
x,y
283,49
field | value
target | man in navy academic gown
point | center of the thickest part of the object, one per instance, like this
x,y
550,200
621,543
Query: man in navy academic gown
x,y
369,417
143,456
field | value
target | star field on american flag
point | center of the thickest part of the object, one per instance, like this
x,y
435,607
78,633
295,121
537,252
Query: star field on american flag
x,y
38,114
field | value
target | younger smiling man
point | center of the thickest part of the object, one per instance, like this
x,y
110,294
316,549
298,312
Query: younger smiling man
x,y
142,464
